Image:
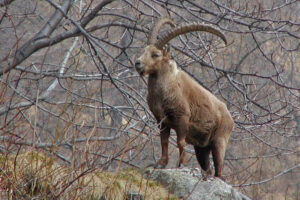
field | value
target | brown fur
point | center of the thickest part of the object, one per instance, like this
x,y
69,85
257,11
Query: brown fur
x,y
178,102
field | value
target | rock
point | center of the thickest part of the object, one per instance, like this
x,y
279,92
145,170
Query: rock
x,y
188,184
134,196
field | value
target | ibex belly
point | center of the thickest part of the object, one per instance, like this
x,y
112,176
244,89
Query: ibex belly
x,y
200,133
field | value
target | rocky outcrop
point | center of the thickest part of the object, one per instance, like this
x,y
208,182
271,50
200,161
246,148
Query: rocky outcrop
x,y
188,184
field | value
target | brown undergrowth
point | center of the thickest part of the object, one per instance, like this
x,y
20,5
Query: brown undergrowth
x,y
37,175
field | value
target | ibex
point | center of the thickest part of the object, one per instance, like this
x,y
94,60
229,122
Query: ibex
x,y
178,102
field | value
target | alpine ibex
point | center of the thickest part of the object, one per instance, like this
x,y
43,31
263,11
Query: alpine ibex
x,y
178,102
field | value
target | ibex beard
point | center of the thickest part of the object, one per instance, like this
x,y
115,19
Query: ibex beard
x,y
178,102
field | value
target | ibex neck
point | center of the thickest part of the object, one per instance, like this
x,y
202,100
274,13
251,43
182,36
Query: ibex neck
x,y
164,78
167,70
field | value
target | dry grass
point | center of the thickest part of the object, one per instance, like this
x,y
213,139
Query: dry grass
x,y
34,175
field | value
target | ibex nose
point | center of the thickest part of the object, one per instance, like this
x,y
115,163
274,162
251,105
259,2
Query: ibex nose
x,y
139,67
137,64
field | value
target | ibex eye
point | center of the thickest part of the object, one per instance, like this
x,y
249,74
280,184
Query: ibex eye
x,y
154,55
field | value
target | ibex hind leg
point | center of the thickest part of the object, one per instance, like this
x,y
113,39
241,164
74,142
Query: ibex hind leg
x,y
202,155
218,147
218,152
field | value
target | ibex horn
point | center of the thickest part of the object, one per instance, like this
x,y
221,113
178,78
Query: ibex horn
x,y
188,28
156,28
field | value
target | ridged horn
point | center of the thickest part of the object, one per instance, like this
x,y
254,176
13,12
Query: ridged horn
x,y
188,28
156,28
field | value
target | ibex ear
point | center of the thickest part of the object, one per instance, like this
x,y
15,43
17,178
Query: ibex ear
x,y
166,50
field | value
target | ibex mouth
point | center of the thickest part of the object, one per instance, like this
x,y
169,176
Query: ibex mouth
x,y
141,71
139,68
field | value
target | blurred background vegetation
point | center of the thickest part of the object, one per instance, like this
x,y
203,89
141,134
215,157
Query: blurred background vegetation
x,y
69,92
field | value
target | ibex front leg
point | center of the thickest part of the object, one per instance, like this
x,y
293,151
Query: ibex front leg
x,y
181,132
164,139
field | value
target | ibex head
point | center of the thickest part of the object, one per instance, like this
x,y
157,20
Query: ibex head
x,y
154,53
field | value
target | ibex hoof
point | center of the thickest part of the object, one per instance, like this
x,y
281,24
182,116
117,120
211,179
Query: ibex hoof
x,y
159,166
221,178
156,166
180,166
